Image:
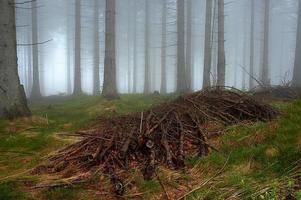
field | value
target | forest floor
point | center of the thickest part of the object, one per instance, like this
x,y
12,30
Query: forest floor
x,y
261,160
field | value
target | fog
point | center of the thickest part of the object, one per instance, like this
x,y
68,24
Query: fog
x,y
56,39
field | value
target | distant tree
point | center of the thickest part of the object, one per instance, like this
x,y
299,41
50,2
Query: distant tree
x,y
265,64
36,92
208,41
109,84
297,67
221,62
147,85
181,69
77,49
163,47
251,81
96,80
69,53
135,66
12,96
189,45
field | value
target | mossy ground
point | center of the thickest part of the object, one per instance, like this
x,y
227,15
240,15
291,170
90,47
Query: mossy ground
x,y
253,160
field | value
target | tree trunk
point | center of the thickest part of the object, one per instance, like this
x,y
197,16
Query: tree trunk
x,y
12,96
36,92
208,49
129,31
109,84
297,67
96,80
77,49
181,69
251,81
69,52
135,84
221,62
163,48
189,45
147,88
265,64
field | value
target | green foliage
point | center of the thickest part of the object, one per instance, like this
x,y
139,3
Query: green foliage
x,y
10,191
61,193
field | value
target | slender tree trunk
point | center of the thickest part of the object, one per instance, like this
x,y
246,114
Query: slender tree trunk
x,y
36,92
147,69
96,80
163,88
29,67
189,45
265,65
77,49
68,39
208,41
251,81
129,31
12,96
181,69
297,67
109,84
135,84
221,63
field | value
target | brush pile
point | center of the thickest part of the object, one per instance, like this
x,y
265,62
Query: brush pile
x,y
163,135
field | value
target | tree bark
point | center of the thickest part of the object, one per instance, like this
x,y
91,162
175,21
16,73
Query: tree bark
x,y
77,49
297,66
181,69
265,64
208,41
109,84
36,92
12,96
163,89
251,81
147,84
189,45
221,62
96,80
135,84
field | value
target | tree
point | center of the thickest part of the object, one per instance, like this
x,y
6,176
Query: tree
x,y
96,81
77,49
181,69
221,59
109,84
265,64
189,45
297,66
12,96
69,53
251,81
208,49
135,66
147,84
163,48
36,92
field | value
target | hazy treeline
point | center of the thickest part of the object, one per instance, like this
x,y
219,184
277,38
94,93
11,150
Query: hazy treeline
x,y
64,46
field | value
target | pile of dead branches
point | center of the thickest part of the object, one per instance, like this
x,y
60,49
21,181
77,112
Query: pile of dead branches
x,y
164,135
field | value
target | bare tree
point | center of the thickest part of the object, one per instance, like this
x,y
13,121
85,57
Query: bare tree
x,y
77,49
109,84
297,67
221,62
12,96
69,53
265,63
96,80
181,69
189,45
251,81
36,92
135,67
163,47
147,69
208,41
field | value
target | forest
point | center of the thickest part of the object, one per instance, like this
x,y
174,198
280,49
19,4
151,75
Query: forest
x,y
150,99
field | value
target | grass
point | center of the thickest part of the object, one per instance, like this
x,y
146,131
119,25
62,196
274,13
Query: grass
x,y
252,158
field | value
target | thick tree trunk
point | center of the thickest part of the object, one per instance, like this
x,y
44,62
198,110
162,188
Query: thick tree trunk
x,y
96,80
251,81
12,96
221,62
189,45
36,92
181,69
297,68
147,69
265,64
77,49
208,49
109,84
163,88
